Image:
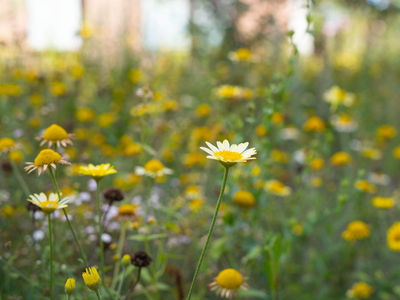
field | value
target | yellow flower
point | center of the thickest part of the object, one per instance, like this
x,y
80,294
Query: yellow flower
x,y
393,237
244,199
86,30
340,159
70,286
314,124
91,278
132,149
386,132
16,155
261,130
356,230
170,105
317,181
227,282
134,75
226,91
336,96
81,133
192,192
8,211
203,110
202,133
56,135
241,54
45,159
297,229
153,168
77,71
58,88
97,172
126,260
277,188
383,203
360,290
127,210
229,155
277,118
193,159
371,153
195,204
344,123
6,145
36,99
279,156
105,120
48,205
84,114
317,163
365,186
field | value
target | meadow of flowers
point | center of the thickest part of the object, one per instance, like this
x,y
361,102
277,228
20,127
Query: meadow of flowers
x,y
243,171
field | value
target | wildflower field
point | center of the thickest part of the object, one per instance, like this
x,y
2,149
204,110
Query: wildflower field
x,y
242,170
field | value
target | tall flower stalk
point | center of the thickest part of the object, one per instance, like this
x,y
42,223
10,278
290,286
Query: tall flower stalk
x,y
228,156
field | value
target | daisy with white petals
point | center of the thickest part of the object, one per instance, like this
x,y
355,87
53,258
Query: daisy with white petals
x,y
48,205
229,155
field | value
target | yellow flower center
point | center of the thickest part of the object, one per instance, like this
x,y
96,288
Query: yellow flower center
x,y
345,118
226,155
229,279
55,133
396,236
340,94
49,206
277,186
154,166
127,210
47,157
6,143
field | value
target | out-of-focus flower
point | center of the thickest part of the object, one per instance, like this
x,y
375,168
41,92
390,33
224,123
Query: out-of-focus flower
x,y
297,229
69,286
56,135
317,163
194,159
84,114
58,88
396,152
393,237
365,186
340,158
7,144
383,203
290,132
277,188
336,96
344,123
228,282
261,130
86,30
134,75
141,259
48,205
127,210
97,172
360,290
244,199
229,155
16,155
378,178
241,54
314,124
77,71
153,168
196,204
371,153
279,156
356,230
203,110
105,120
277,118
36,99
8,211
386,132
45,159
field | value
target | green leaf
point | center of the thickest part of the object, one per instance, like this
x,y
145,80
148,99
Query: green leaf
x,y
253,293
277,248
141,237
268,269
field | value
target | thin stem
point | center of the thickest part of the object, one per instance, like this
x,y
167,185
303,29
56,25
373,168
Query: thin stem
x,y
20,178
98,294
119,253
209,232
103,281
66,217
134,284
152,267
120,283
51,259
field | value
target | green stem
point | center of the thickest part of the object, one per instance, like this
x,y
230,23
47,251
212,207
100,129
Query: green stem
x,y
66,216
51,259
98,294
152,266
120,283
103,281
209,232
20,178
119,253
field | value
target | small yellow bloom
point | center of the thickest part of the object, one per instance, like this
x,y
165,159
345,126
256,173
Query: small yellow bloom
x,y
229,155
16,155
134,75
8,211
226,91
277,188
153,168
203,110
365,186
241,54
194,159
127,210
196,204
57,135
261,130
336,96
132,149
70,286
393,237
314,124
317,163
91,278
340,159
126,260
360,290
279,156
36,99
356,230
58,88
383,203
297,229
105,120
45,159
97,172
244,199
277,118
84,114
317,182
6,145
386,132
227,282
396,152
